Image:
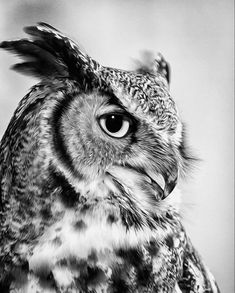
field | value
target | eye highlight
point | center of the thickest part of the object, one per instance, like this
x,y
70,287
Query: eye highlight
x,y
115,124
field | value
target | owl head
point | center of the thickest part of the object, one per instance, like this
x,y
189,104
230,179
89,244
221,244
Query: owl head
x,y
107,132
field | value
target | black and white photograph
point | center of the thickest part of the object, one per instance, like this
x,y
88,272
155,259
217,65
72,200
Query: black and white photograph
x,y
116,146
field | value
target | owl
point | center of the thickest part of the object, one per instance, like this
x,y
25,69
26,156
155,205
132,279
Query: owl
x,y
89,167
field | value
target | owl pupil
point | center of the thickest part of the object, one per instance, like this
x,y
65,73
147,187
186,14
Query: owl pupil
x,y
114,123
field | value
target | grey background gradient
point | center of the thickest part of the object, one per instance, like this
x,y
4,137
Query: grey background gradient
x,y
196,37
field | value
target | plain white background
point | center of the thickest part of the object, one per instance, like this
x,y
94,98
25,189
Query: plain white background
x,y
196,37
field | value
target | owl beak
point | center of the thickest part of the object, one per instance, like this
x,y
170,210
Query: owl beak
x,y
170,183
164,184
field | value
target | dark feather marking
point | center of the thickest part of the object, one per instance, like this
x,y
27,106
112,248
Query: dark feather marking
x,y
92,258
57,241
95,276
111,219
46,212
135,257
131,255
80,225
47,282
169,241
59,144
153,248
68,195
118,282
5,283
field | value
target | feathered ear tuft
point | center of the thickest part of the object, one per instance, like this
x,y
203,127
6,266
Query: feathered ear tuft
x,y
162,67
155,66
50,54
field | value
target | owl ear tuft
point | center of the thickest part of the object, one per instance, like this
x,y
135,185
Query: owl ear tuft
x,y
49,54
162,67
151,65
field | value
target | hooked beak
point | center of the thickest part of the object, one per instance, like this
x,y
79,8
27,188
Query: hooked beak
x,y
162,183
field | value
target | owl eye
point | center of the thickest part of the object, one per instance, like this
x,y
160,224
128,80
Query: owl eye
x,y
115,125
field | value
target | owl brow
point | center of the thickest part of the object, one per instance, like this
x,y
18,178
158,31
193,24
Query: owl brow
x,y
114,101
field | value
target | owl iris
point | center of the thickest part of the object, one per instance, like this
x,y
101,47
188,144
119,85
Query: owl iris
x,y
115,125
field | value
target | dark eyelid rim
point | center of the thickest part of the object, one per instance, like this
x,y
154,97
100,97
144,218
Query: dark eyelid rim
x,y
120,111
116,112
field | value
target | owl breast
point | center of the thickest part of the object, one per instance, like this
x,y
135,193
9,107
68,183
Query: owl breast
x,y
89,245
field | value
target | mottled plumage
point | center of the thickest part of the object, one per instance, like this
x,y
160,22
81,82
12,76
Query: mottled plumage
x,y
88,171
